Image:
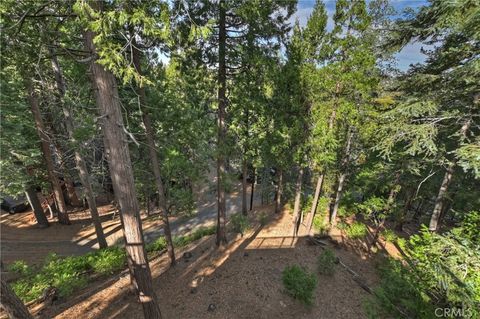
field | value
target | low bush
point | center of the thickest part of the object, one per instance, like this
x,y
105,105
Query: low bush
x,y
440,271
356,230
66,274
158,245
299,283
240,223
326,262
389,235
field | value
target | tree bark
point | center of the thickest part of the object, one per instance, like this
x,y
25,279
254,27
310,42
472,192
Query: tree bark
x,y
278,197
342,177
47,154
154,161
313,210
222,88
81,166
437,210
298,197
253,189
12,305
36,207
244,187
121,172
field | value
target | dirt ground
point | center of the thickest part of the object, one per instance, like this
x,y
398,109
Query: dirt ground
x,y
242,280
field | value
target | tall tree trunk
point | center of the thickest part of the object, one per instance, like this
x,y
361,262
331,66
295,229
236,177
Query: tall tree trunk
x,y
342,177
439,201
32,197
447,178
253,189
313,210
121,172
244,187
321,177
278,197
155,163
47,154
12,305
222,88
79,161
298,197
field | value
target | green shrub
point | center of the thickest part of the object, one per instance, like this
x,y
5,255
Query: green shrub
x,y
441,271
356,230
389,235
107,260
67,274
158,245
181,241
20,267
240,223
299,284
326,262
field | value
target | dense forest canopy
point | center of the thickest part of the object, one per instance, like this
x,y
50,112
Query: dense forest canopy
x,y
145,100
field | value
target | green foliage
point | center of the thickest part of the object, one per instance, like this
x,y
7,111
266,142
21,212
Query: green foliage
x,y
442,271
240,223
158,245
326,262
20,267
299,283
107,261
181,241
67,274
389,235
470,228
356,230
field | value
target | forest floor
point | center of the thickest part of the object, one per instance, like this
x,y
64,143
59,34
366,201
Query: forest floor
x,y
242,280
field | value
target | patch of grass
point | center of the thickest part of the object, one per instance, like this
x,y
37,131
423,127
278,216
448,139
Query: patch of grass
x,y
181,241
158,245
320,225
20,267
356,230
326,262
240,223
66,274
299,283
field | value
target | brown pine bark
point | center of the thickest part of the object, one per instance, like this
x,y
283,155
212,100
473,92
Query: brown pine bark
x,y
32,197
155,163
12,305
298,197
321,177
278,196
252,190
121,172
244,187
316,197
222,89
341,178
79,161
47,154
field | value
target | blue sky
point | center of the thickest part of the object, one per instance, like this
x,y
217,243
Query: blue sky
x,y
410,54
